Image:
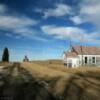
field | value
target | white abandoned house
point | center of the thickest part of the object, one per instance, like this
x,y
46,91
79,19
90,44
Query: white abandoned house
x,y
26,59
82,56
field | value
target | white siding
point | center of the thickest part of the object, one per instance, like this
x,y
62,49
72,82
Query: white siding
x,y
77,61
89,57
71,60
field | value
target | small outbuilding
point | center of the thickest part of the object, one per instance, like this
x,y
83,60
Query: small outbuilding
x,y
25,59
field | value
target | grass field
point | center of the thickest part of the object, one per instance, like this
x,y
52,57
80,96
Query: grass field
x,y
3,63
63,83
81,83
58,65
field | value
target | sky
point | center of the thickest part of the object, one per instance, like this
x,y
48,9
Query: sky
x,y
44,29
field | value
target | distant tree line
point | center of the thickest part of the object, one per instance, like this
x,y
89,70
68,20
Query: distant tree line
x,y
5,56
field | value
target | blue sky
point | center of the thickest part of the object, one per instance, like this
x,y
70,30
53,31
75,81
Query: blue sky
x,y
43,29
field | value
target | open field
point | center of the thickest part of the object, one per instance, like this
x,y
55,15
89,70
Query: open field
x,y
50,80
4,63
67,83
58,65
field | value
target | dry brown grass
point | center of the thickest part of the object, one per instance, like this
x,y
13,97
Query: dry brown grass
x,y
60,82
4,63
52,69
58,65
42,72
81,83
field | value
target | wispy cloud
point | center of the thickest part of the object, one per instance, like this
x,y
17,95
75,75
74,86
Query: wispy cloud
x,y
14,22
74,33
62,32
77,19
89,11
58,10
19,26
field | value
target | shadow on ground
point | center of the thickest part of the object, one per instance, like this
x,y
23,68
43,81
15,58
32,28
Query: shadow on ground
x,y
18,84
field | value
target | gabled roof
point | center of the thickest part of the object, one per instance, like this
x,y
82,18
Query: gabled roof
x,y
70,54
86,50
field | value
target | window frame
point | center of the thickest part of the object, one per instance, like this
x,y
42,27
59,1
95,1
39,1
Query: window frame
x,y
93,60
86,60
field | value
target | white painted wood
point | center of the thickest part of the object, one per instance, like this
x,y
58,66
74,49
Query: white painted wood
x,y
77,61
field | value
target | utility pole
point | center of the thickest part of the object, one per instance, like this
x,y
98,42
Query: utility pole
x,y
82,40
82,54
70,43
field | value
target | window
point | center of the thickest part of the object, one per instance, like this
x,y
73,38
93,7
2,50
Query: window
x,y
93,60
90,60
86,60
98,60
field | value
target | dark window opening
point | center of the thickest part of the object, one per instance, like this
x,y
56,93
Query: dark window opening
x,y
93,60
86,60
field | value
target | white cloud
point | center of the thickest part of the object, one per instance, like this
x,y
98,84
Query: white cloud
x,y
77,19
90,11
28,33
19,26
74,33
13,22
62,31
58,10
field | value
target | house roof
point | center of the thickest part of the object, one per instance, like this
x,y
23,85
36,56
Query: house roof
x,y
70,54
86,50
